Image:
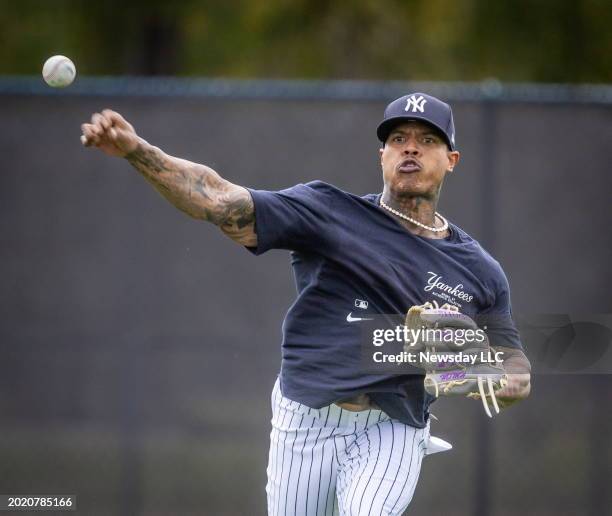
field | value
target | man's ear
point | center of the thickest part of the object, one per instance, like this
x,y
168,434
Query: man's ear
x,y
380,152
453,159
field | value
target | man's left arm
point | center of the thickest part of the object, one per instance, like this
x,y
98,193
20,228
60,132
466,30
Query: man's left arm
x,y
518,369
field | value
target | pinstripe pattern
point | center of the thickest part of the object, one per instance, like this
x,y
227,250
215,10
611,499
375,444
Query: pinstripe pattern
x,y
321,480
330,461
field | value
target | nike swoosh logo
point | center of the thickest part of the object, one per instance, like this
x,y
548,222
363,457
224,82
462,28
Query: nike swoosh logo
x,y
350,318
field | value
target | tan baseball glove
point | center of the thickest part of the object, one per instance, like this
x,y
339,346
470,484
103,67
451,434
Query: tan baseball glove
x,y
455,354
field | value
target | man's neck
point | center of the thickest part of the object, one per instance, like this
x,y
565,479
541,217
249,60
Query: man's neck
x,y
417,207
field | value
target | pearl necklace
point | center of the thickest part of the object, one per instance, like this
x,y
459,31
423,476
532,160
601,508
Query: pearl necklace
x,y
443,227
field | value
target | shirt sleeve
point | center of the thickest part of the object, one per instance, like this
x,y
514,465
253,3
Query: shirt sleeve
x,y
297,219
500,326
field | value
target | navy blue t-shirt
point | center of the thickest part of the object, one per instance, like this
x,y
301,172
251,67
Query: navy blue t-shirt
x,y
350,256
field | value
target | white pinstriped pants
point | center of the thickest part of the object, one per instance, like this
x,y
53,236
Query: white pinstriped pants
x,y
331,461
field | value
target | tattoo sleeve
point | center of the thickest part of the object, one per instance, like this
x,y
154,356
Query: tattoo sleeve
x,y
198,191
515,361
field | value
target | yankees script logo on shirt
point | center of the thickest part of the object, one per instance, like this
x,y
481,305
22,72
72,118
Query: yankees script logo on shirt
x,y
445,291
415,103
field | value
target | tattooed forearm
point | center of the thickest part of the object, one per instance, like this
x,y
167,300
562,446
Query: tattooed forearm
x,y
149,160
515,361
198,191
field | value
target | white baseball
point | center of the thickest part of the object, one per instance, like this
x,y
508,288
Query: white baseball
x,y
58,71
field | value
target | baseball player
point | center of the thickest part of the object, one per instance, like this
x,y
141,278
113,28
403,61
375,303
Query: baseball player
x,y
345,440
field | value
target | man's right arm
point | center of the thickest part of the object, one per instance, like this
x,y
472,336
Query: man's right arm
x,y
193,188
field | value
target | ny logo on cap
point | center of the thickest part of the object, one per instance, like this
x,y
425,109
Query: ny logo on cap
x,y
415,103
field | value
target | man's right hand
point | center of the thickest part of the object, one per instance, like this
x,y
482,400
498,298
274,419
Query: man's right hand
x,y
111,133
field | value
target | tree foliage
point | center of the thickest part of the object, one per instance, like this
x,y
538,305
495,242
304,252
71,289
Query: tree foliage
x,y
512,40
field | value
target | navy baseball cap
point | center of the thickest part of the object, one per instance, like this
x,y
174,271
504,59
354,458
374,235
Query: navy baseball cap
x,y
419,106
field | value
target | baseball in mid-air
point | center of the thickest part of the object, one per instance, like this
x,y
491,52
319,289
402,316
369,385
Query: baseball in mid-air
x,y
58,71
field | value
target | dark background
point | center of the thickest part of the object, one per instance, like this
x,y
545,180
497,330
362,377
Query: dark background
x,y
139,347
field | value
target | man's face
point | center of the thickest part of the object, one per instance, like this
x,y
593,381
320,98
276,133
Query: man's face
x,y
415,159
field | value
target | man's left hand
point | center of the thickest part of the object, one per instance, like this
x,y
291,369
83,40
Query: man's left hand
x,y
517,389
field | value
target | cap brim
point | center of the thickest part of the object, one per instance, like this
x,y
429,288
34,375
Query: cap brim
x,y
385,128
